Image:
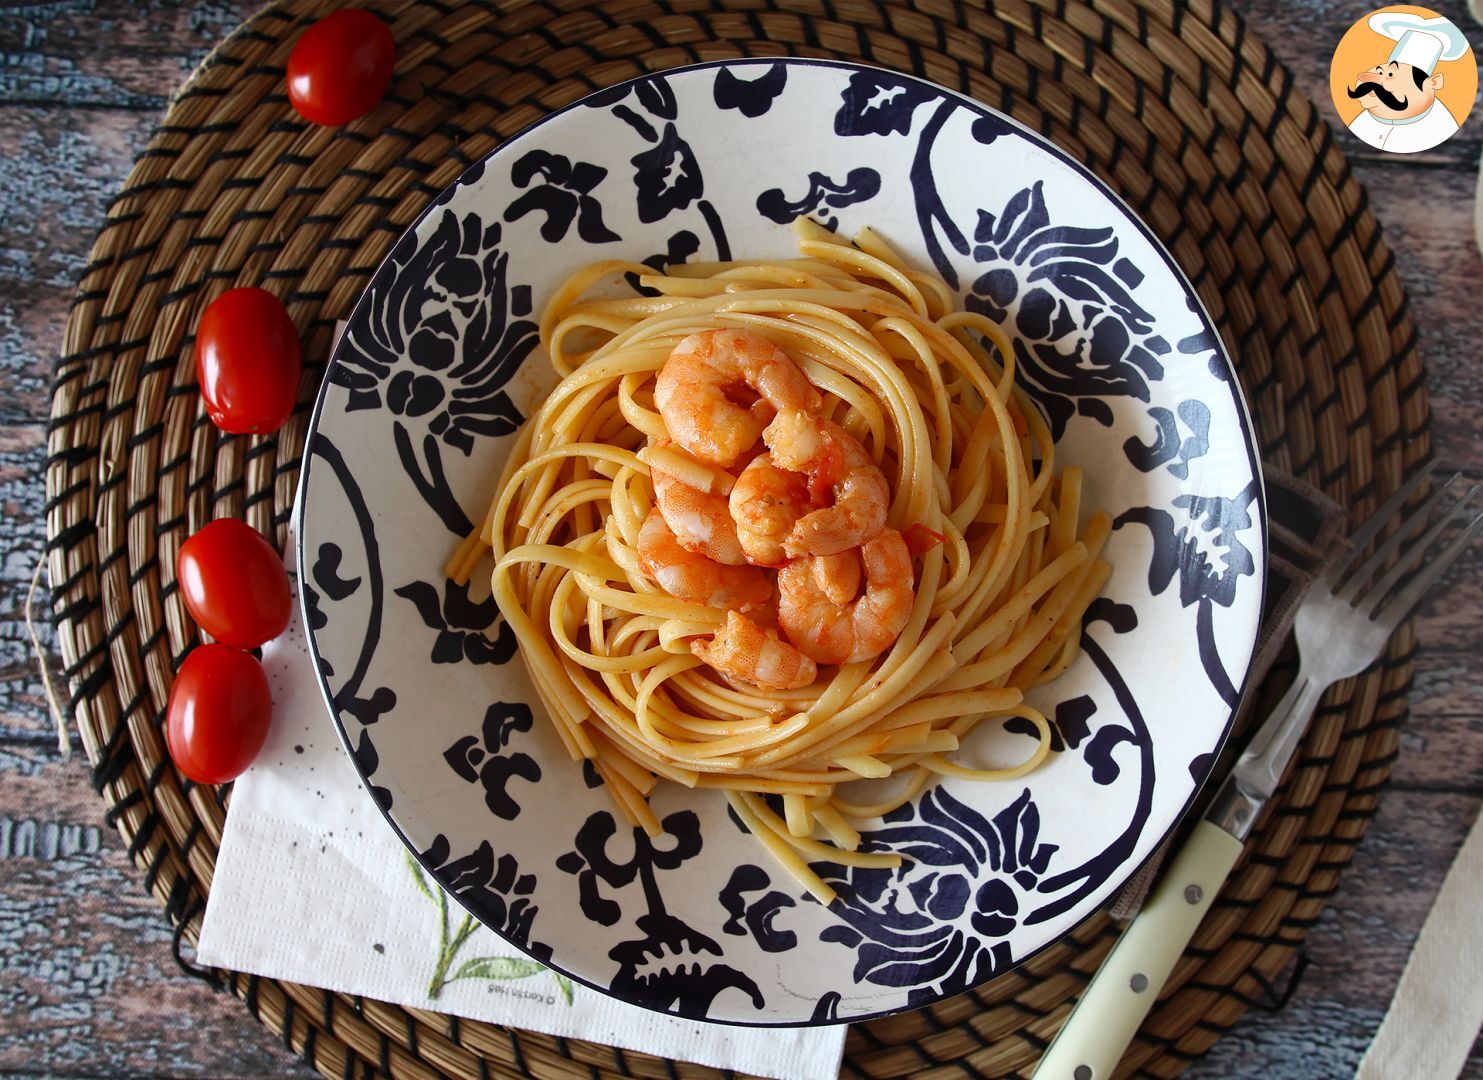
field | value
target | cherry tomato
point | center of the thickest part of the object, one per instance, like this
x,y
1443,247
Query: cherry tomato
x,y
218,715
340,67
248,361
234,584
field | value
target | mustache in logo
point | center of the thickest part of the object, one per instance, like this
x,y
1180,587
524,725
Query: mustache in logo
x,y
1389,100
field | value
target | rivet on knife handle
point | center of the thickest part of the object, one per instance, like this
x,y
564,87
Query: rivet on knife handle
x,y
1121,993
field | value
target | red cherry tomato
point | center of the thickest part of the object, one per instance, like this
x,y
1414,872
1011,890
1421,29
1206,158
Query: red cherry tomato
x,y
248,361
340,67
219,713
234,584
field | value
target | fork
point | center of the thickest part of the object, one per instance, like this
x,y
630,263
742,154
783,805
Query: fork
x,y
1341,628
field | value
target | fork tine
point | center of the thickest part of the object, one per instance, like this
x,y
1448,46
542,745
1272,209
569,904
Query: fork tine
x,y
1412,522
1376,593
1377,521
1390,617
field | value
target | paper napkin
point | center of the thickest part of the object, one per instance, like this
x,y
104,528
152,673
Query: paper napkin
x,y
312,886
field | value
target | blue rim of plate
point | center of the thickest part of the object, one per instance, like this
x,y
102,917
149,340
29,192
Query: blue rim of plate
x,y
1043,143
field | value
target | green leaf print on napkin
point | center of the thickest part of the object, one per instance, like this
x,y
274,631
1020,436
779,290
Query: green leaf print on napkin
x,y
498,967
481,967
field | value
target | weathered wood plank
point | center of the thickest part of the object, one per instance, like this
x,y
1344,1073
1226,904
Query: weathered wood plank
x,y
89,985
1437,256
53,52
58,168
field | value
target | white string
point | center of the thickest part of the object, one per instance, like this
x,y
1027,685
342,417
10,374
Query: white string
x,y
59,717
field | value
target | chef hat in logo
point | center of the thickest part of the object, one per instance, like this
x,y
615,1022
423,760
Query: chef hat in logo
x,y
1419,41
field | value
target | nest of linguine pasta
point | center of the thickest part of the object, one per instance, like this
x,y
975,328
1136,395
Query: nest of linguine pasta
x,y
928,390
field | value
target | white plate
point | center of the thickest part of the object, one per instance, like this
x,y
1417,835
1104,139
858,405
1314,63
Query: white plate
x,y
439,365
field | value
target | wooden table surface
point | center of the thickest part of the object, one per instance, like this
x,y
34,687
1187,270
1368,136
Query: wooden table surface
x,y
88,985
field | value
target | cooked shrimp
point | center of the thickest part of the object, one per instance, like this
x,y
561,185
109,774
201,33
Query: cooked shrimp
x,y
838,576
745,651
700,520
766,615
837,467
700,392
766,502
835,631
688,576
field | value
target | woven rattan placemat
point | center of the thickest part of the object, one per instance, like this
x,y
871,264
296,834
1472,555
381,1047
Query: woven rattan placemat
x,y
1180,109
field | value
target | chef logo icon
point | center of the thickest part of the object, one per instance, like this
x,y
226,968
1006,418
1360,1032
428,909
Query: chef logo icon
x,y
1403,79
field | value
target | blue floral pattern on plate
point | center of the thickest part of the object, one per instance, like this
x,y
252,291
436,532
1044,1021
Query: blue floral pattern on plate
x,y
435,372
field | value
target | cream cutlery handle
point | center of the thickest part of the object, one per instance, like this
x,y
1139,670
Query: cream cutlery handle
x,y
1120,995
